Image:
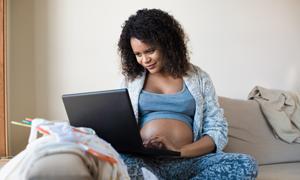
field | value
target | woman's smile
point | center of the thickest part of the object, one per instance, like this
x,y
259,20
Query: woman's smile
x,y
152,66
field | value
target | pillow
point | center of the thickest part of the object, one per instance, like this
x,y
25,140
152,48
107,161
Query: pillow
x,y
250,133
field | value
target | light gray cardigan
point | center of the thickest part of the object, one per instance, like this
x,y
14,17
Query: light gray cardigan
x,y
208,119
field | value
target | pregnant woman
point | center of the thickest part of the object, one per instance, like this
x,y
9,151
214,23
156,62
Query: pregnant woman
x,y
175,104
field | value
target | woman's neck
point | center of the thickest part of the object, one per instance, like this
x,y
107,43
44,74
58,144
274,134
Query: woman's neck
x,y
161,75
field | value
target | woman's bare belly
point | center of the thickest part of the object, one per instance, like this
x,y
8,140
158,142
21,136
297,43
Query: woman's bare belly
x,y
175,131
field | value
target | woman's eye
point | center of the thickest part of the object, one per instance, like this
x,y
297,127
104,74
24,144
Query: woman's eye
x,y
151,51
138,55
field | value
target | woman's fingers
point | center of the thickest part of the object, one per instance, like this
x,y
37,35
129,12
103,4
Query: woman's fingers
x,y
164,143
159,142
153,142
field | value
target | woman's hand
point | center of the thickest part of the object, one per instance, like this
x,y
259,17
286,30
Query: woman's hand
x,y
160,142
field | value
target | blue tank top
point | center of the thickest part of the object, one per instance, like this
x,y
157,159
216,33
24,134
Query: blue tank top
x,y
180,106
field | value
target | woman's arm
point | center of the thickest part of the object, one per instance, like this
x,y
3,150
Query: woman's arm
x,y
214,122
215,127
201,147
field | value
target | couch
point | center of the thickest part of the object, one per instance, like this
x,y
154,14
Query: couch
x,y
249,133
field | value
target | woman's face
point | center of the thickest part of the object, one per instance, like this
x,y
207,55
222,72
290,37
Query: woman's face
x,y
150,57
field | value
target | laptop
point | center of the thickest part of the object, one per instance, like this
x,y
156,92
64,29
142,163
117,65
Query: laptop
x,y
110,114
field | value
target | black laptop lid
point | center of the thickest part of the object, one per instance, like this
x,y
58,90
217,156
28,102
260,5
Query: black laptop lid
x,y
109,113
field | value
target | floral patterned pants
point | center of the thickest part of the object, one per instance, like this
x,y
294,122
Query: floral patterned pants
x,y
211,166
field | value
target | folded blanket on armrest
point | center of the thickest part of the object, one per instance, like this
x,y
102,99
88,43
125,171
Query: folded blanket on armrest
x,y
282,111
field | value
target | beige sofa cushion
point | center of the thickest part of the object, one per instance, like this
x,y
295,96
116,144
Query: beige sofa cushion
x,y
59,166
249,133
290,171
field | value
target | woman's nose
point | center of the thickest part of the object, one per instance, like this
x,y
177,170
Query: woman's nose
x,y
146,59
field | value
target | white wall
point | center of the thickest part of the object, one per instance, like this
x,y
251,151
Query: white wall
x,y
69,46
21,71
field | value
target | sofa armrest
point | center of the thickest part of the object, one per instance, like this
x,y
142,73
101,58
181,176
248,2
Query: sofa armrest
x,y
59,166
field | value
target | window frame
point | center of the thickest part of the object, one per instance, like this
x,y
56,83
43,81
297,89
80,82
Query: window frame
x,y
3,111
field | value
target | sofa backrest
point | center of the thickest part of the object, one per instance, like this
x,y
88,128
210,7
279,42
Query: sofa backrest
x,y
250,133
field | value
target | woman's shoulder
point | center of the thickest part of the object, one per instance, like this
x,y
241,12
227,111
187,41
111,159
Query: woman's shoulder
x,y
127,82
194,69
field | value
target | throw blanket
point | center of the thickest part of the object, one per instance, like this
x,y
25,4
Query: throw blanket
x,y
99,156
281,110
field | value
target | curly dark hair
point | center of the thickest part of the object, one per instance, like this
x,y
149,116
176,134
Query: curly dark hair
x,y
155,27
